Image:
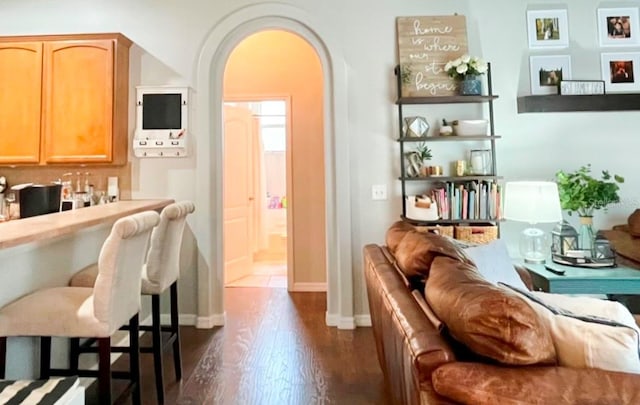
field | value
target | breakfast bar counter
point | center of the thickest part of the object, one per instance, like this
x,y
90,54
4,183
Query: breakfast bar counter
x,y
34,229
46,251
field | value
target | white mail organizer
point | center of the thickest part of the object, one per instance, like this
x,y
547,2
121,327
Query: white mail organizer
x,y
160,148
162,121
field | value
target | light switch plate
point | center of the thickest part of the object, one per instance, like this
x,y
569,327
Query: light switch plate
x,y
379,192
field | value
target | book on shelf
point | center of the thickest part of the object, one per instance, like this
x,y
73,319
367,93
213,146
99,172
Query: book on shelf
x,y
471,200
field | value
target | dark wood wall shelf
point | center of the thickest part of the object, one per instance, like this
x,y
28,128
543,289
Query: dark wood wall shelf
x,y
450,221
448,138
599,102
446,99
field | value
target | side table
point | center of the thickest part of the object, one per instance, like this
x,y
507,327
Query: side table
x,y
580,280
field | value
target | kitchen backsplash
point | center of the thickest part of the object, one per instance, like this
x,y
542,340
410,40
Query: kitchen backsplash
x,y
46,174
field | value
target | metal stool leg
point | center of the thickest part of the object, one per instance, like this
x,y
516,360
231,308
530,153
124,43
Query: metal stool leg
x,y
104,370
156,335
175,330
45,357
134,359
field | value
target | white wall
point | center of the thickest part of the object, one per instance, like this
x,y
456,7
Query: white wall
x,y
169,35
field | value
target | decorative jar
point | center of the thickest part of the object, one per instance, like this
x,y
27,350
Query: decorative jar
x,y
471,86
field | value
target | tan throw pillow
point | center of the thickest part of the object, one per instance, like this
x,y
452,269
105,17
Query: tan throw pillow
x,y
489,320
395,233
634,223
588,332
417,250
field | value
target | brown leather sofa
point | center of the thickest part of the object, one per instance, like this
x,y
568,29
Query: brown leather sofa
x,y
424,364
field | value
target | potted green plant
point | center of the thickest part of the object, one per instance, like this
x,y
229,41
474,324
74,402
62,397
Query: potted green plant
x,y
423,152
582,193
417,159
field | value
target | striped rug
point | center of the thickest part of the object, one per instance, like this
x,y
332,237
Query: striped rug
x,y
55,391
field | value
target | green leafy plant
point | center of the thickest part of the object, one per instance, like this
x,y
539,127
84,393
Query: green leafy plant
x,y
423,151
405,74
583,193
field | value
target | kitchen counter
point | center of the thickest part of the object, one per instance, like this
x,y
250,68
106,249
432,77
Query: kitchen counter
x,y
42,227
46,251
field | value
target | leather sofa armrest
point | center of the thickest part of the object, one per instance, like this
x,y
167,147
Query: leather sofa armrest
x,y
409,347
478,383
524,275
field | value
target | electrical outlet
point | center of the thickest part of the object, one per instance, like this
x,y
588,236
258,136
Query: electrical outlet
x,y
379,192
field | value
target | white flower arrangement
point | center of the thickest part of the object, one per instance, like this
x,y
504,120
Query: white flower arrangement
x,y
466,65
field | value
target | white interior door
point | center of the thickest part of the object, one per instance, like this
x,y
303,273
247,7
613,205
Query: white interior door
x,y
238,189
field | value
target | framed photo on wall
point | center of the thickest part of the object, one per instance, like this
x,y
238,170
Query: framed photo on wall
x,y
548,28
618,26
547,71
621,72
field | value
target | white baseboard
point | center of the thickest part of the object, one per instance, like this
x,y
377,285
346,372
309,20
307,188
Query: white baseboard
x,y
331,319
183,319
347,322
309,287
208,322
363,320
341,322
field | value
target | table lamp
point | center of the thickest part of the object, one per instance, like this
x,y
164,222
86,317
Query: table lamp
x,y
534,202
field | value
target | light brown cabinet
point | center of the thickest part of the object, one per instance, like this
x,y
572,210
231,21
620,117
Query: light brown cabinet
x,y
73,99
20,102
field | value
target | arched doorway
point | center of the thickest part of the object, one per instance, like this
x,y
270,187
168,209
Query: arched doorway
x,y
275,67
210,72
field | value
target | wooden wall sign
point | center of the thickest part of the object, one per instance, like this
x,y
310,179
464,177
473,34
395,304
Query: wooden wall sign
x,y
425,45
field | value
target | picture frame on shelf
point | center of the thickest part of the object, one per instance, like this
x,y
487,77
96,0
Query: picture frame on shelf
x,y
581,87
621,72
548,28
618,26
547,71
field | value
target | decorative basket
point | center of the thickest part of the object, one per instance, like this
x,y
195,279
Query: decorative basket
x,y
477,234
444,230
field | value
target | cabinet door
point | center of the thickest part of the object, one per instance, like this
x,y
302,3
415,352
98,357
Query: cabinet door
x,y
78,108
20,101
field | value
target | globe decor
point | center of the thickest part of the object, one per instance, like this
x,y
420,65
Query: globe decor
x,y
467,71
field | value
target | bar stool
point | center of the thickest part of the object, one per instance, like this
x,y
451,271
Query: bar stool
x,y
160,273
90,312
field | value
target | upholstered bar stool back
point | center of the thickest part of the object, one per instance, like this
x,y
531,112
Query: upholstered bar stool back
x,y
117,285
88,312
163,261
159,273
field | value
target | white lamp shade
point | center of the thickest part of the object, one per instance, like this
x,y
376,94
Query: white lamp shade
x,y
532,201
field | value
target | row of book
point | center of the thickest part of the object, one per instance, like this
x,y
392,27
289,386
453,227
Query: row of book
x,y
471,200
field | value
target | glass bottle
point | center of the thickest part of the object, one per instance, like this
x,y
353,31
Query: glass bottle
x,y
586,236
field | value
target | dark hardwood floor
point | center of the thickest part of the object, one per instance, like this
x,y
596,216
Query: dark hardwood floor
x,y
274,349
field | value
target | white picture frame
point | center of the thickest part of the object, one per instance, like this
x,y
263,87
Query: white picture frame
x,y
581,87
621,72
618,26
547,71
548,28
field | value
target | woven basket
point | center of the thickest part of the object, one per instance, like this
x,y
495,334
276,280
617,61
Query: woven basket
x,y
477,234
445,230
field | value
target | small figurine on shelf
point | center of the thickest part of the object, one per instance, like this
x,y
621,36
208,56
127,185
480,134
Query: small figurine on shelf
x,y
445,129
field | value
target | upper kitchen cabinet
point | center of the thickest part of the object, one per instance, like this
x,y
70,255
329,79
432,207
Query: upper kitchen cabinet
x,y
83,96
20,102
